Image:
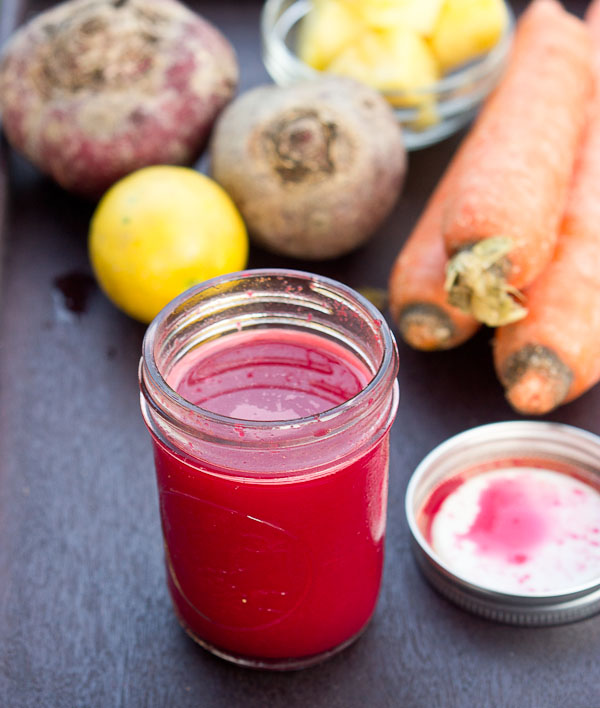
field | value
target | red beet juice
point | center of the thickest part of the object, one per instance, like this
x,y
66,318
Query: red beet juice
x,y
306,576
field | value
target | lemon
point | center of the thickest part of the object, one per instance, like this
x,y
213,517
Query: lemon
x,y
160,230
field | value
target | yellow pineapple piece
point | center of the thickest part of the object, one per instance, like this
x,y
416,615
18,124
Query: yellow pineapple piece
x,y
466,29
327,28
389,60
393,60
418,15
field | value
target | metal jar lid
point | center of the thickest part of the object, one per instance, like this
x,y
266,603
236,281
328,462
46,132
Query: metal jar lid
x,y
551,442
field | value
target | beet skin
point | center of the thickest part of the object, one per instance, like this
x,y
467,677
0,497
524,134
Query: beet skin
x,y
91,90
314,168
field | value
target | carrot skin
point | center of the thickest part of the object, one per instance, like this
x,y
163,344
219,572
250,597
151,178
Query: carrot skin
x,y
417,297
564,318
523,145
592,19
564,302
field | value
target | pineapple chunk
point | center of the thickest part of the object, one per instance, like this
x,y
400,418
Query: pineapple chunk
x,y
393,60
327,28
418,15
389,60
466,29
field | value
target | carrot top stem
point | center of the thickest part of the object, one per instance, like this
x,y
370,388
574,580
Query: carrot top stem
x,y
476,282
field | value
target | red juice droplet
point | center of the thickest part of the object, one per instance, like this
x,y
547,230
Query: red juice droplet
x,y
75,289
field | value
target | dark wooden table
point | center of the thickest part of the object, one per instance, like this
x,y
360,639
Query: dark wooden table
x,y
85,619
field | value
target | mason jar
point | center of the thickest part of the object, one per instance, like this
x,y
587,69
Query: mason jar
x,y
269,396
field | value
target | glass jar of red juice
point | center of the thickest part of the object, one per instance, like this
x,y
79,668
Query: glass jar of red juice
x,y
269,395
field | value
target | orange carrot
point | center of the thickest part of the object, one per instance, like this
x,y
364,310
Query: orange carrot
x,y
553,355
501,222
417,297
592,19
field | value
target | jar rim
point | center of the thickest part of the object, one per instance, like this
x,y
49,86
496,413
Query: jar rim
x,y
387,363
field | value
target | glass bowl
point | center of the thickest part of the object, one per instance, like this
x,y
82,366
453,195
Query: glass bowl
x,y
437,110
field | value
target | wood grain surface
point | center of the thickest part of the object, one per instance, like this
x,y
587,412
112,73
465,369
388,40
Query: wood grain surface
x,y
85,620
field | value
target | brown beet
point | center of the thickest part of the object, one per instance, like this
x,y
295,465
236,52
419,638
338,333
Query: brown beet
x,y
314,168
93,89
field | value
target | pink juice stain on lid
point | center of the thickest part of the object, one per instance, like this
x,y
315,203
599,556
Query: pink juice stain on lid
x,y
512,518
516,527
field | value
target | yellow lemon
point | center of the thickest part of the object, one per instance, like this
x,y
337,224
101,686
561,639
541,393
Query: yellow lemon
x,y
159,231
